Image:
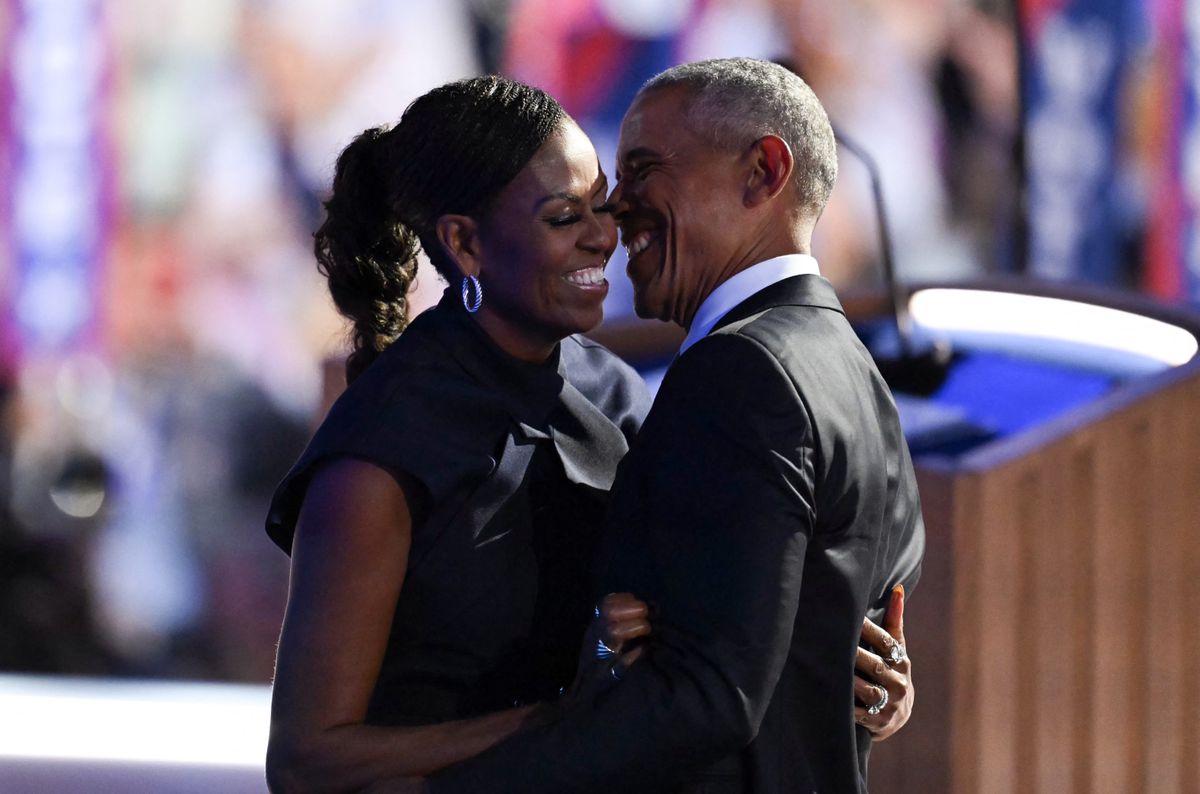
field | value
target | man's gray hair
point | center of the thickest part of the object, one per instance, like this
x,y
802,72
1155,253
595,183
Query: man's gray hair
x,y
736,101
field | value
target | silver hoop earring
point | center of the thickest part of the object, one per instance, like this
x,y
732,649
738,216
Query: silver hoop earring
x,y
470,282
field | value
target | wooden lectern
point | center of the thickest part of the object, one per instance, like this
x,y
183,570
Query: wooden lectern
x,y
1054,630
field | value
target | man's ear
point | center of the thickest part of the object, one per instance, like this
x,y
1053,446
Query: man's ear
x,y
771,169
459,237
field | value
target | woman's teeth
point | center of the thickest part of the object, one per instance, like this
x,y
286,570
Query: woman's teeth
x,y
587,277
638,244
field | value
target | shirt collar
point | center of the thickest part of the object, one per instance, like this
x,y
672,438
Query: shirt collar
x,y
742,285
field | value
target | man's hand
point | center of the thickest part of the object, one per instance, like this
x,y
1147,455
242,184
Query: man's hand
x,y
887,671
609,645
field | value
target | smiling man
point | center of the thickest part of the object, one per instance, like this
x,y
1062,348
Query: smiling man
x,y
769,502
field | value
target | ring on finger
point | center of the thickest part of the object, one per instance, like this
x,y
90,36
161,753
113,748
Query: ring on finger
x,y
877,707
894,655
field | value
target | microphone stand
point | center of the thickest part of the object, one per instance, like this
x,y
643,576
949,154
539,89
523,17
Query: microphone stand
x,y
912,372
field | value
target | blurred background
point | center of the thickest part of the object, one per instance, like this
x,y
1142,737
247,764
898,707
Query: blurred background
x,y
164,336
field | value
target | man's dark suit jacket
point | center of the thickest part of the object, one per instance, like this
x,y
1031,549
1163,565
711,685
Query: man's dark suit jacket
x,y
767,505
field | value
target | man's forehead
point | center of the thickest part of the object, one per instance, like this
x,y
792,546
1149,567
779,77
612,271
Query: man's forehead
x,y
646,119
631,128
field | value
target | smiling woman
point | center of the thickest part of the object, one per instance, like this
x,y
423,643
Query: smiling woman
x,y
542,249
443,522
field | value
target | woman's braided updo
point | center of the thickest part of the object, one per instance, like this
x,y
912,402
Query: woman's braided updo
x,y
453,151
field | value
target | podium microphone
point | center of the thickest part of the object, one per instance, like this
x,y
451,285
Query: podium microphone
x,y
913,371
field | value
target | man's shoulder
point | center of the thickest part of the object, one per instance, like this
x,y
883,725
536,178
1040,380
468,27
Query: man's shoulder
x,y
784,335
727,350
786,326
736,371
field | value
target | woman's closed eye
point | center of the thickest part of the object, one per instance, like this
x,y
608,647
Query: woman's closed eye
x,y
567,220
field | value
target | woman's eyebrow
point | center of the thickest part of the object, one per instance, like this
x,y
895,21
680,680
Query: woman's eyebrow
x,y
564,195
601,187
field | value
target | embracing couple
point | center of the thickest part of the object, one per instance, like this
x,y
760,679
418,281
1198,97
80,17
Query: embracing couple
x,y
494,492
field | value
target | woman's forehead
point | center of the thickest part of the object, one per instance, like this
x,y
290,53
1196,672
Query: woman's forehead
x,y
565,163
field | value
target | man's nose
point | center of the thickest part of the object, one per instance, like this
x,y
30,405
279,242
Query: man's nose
x,y
618,201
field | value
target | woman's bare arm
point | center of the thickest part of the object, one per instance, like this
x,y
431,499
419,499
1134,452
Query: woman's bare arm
x,y
348,562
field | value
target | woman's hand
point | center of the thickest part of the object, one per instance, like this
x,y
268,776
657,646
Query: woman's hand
x,y
610,644
886,672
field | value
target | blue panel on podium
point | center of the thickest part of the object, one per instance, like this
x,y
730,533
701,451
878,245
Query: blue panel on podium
x,y
987,396
1009,394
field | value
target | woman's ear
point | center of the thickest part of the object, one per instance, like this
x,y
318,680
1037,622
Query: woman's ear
x,y
772,166
459,237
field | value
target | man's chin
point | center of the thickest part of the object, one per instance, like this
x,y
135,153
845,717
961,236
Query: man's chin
x,y
649,309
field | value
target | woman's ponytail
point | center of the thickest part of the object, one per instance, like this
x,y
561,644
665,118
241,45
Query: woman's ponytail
x,y
367,254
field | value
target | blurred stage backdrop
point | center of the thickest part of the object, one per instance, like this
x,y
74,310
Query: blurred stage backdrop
x,y
166,343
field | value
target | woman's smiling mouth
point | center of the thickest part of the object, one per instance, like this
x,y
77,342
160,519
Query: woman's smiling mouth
x,y
587,277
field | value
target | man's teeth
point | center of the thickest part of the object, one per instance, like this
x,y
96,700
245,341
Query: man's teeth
x,y
638,244
587,277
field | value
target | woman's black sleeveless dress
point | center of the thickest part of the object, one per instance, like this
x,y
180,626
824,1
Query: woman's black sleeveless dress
x,y
517,460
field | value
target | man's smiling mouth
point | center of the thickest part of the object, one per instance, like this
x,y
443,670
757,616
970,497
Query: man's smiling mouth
x,y
640,242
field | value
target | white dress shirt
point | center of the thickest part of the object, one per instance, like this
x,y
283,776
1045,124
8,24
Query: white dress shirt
x,y
742,285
